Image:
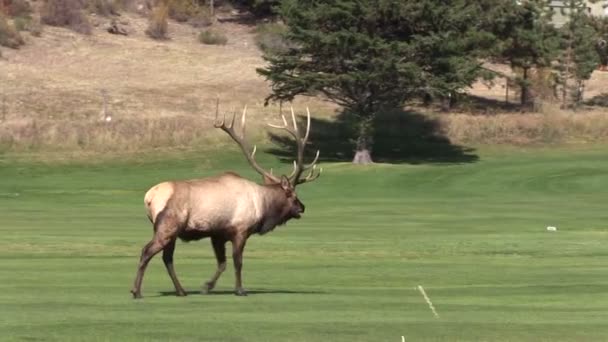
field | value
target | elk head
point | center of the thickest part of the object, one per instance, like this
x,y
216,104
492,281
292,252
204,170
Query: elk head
x,y
293,207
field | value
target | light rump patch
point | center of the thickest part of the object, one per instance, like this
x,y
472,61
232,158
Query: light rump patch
x,y
156,199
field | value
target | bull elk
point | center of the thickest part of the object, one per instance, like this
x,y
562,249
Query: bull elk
x,y
224,208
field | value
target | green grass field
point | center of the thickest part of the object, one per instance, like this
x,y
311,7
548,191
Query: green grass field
x,y
474,235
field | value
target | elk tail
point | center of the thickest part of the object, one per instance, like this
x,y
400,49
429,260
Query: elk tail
x,y
147,202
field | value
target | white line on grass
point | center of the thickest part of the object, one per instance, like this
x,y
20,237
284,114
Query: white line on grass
x,y
428,301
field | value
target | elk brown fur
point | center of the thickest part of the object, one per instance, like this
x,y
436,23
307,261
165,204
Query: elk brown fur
x,y
223,208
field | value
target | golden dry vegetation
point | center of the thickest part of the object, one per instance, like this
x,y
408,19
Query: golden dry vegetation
x,y
161,94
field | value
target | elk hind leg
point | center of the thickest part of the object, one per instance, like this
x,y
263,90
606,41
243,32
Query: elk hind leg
x,y
219,248
164,232
149,250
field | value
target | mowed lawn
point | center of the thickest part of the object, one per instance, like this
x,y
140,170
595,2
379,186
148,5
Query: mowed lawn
x,y
473,235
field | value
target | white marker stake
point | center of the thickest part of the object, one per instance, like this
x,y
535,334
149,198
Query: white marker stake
x,y
428,301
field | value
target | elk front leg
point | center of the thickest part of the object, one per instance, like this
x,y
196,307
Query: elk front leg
x,y
238,245
168,260
219,248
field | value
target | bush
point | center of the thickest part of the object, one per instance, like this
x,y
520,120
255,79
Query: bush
x,y
22,23
104,8
9,37
270,38
158,26
202,19
189,11
183,10
210,37
35,28
66,13
15,8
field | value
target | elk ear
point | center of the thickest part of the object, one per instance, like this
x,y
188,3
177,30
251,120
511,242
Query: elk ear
x,y
285,183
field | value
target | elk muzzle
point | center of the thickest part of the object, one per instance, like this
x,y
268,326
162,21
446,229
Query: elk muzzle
x,y
298,209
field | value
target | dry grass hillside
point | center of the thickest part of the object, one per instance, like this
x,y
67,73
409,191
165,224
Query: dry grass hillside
x,y
159,93
162,93
62,73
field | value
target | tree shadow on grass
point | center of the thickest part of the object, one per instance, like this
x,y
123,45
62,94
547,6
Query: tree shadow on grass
x,y
401,137
231,292
600,100
482,105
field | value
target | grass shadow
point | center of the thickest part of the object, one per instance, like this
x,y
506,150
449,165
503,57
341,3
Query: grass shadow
x,y
482,105
400,137
241,16
600,100
231,292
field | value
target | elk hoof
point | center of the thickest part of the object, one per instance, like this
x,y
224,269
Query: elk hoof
x,y
240,292
181,293
136,294
207,287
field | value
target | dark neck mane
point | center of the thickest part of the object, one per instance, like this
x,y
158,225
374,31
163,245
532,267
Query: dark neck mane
x,y
274,209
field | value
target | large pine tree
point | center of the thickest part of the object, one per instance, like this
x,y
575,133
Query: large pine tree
x,y
527,39
579,56
601,27
371,56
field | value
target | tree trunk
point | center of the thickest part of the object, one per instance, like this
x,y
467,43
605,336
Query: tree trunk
x,y
566,73
525,98
447,102
362,157
363,154
579,92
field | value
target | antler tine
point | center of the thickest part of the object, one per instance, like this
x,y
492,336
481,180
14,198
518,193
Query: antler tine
x,y
281,113
243,119
314,162
298,164
233,118
285,127
240,140
255,148
295,169
311,175
293,118
307,126
216,123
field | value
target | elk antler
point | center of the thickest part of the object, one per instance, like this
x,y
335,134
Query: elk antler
x,y
298,164
240,140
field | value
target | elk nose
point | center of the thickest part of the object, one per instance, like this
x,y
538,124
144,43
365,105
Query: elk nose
x,y
302,207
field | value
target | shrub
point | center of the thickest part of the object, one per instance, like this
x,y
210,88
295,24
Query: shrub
x,y
183,10
189,11
158,26
127,5
210,37
35,28
202,19
270,38
22,23
103,7
15,8
9,37
66,13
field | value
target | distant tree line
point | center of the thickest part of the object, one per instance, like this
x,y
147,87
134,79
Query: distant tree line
x,y
374,56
